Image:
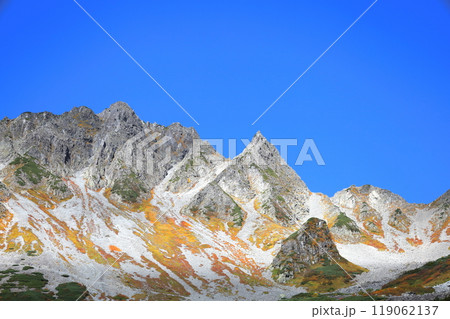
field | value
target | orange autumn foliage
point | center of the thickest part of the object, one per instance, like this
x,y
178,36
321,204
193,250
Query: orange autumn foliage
x,y
414,241
114,248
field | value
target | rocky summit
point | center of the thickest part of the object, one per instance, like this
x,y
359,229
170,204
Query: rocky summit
x,y
109,207
310,257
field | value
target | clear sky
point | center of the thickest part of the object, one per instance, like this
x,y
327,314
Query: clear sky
x,y
377,104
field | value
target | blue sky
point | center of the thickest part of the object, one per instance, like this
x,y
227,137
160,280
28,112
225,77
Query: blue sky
x,y
377,104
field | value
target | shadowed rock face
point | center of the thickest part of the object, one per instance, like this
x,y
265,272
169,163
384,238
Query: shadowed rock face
x,y
212,201
67,142
62,142
310,245
80,139
5,193
306,251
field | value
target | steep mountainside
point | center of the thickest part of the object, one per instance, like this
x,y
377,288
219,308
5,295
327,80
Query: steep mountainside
x,y
389,221
310,257
163,216
420,280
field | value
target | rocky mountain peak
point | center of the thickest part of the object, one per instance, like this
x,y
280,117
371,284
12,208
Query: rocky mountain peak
x,y
261,152
29,117
119,106
260,173
258,140
119,112
444,199
353,195
82,111
310,251
308,246
258,136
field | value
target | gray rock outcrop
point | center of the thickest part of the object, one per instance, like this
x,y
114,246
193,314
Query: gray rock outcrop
x,y
310,245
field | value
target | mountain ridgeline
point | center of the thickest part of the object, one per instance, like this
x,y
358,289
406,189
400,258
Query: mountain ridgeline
x,y
80,189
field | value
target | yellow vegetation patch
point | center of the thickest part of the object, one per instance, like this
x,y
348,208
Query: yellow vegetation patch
x,y
6,219
368,240
435,237
165,243
19,238
164,284
269,233
256,204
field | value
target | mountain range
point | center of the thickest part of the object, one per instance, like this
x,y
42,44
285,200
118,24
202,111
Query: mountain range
x,y
109,207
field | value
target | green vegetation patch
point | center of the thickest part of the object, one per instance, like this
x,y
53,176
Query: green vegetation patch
x,y
238,216
28,295
175,179
294,235
129,188
31,253
8,271
309,296
189,164
323,277
71,291
270,172
330,270
16,286
120,298
30,171
420,280
33,280
343,221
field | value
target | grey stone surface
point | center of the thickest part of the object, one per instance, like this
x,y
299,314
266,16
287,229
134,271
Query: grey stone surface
x,y
212,201
310,245
97,143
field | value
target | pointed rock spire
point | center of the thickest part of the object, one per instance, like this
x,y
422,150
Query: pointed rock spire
x,y
120,116
119,111
310,251
261,152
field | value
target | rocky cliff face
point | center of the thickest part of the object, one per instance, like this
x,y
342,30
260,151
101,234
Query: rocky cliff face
x,y
64,142
311,253
213,202
440,220
310,245
109,146
260,173
126,145
79,189
385,220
